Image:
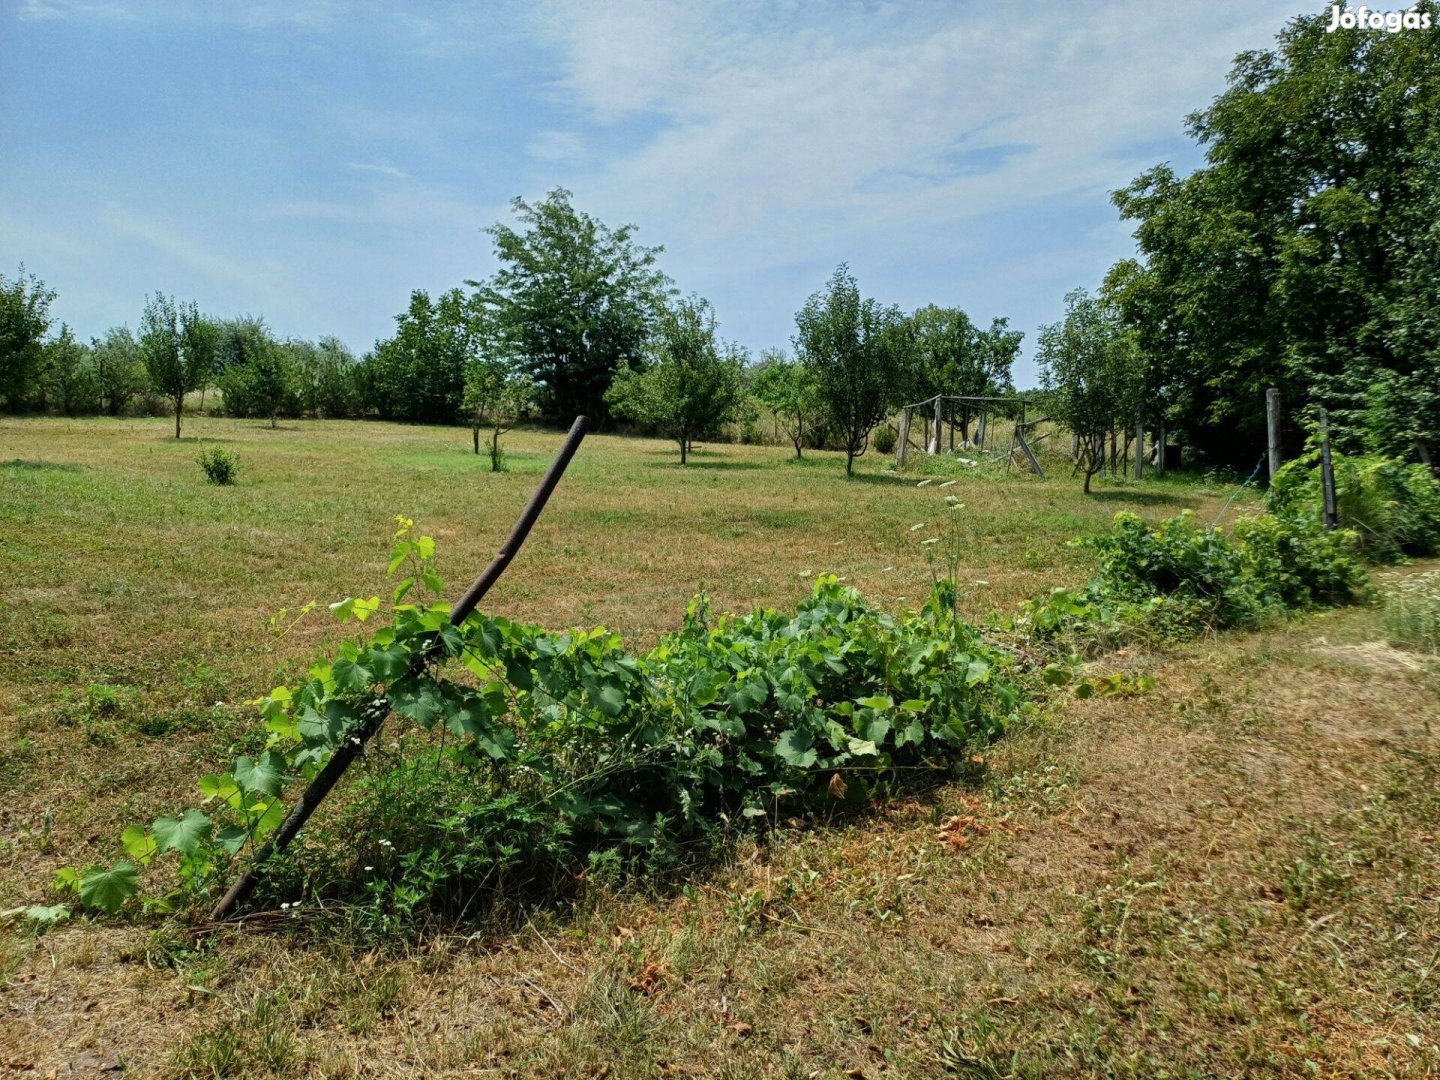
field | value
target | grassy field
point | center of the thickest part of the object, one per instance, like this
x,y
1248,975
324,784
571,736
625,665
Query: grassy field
x,y
1233,874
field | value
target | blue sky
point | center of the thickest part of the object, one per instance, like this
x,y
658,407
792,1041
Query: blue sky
x,y
314,161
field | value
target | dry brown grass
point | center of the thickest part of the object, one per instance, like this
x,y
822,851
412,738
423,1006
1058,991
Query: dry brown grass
x,y
1232,875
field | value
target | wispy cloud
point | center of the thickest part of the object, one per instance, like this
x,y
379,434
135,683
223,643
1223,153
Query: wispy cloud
x,y
44,10
378,169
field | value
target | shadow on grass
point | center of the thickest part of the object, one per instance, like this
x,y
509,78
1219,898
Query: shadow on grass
x,y
25,465
712,466
1139,498
891,479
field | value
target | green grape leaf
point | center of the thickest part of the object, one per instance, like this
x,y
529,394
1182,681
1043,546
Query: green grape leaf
x,y
138,844
232,838
609,699
796,748
352,677
108,890
263,776
185,835
418,699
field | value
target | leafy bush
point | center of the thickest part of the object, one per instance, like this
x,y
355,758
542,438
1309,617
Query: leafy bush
x,y
1174,580
884,439
1412,613
545,751
219,465
1199,574
1393,507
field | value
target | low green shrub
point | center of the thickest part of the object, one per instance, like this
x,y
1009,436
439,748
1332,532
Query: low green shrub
x,y
553,750
1297,564
219,465
1412,613
884,439
1174,580
1394,508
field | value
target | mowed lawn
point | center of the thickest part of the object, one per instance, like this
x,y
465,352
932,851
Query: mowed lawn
x,y
1233,874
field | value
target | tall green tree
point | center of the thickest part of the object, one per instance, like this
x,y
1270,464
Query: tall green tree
x,y
1094,374
954,356
257,373
179,348
788,389
1301,254
419,374
858,352
24,321
325,372
693,382
68,379
572,303
119,369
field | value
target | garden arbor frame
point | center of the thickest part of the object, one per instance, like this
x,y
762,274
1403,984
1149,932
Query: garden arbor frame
x,y
954,411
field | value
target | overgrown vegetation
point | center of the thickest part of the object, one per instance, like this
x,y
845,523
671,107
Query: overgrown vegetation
x,y
570,752
1174,580
1393,508
1412,612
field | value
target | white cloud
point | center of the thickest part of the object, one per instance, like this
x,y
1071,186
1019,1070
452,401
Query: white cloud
x,y
378,169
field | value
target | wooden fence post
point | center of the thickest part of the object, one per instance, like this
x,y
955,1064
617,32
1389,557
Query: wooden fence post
x,y
1139,447
1327,475
1272,429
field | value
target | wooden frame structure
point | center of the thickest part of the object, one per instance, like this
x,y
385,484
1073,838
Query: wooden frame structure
x,y
955,413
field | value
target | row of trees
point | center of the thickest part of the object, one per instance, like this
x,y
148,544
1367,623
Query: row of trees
x,y
177,352
1304,255
576,319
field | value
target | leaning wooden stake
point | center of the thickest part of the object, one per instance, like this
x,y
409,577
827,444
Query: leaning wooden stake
x,y
374,716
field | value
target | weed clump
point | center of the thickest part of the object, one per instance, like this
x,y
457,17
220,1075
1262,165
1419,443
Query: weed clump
x,y
220,466
1412,613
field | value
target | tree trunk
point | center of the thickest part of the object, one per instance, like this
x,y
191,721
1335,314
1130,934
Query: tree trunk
x,y
495,451
475,437
683,442
179,404
849,461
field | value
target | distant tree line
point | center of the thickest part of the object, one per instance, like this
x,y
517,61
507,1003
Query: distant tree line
x,y
577,319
